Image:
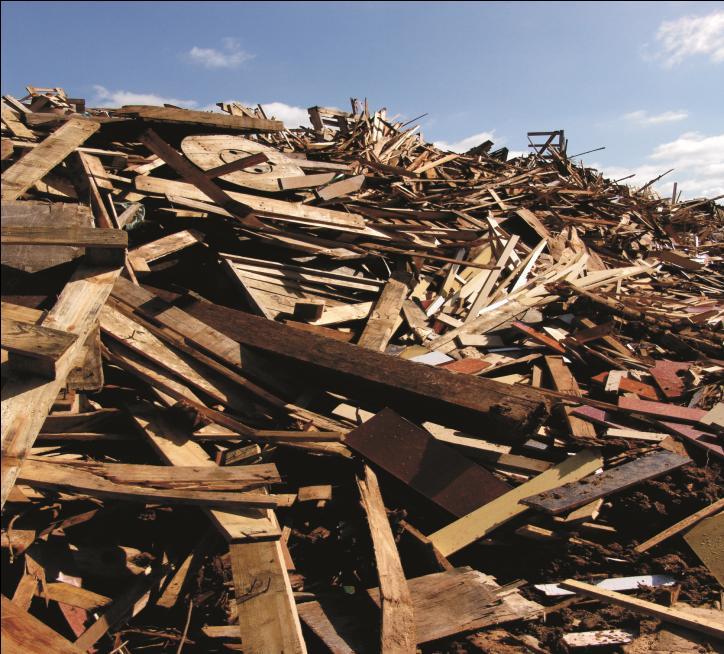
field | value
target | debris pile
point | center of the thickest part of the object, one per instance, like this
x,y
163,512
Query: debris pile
x,y
333,389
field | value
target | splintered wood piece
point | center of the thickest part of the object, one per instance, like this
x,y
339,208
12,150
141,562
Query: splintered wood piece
x,y
164,246
482,521
385,316
666,375
23,633
85,480
575,494
44,157
33,348
565,382
601,638
433,469
702,625
707,541
398,622
25,402
202,118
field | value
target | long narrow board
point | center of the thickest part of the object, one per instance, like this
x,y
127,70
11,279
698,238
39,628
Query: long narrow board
x,y
577,493
203,118
433,469
482,521
511,411
44,157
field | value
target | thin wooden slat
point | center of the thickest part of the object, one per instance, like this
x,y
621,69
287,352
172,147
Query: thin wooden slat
x,y
702,625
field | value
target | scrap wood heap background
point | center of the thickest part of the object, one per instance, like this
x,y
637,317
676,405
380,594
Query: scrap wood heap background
x,y
332,389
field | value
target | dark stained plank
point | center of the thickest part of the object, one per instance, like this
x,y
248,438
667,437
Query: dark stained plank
x,y
578,493
204,118
34,348
433,469
510,412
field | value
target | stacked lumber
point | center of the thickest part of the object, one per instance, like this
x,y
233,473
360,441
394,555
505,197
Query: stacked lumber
x,y
335,389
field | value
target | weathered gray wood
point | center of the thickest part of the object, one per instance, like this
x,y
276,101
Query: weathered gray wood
x,y
577,493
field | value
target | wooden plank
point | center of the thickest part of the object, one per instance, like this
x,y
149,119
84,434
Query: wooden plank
x,y
85,237
342,187
680,526
661,410
565,382
268,619
417,388
224,122
666,614
384,317
572,495
601,638
87,481
37,163
398,622
433,469
162,247
707,541
482,521
305,181
34,348
23,633
25,402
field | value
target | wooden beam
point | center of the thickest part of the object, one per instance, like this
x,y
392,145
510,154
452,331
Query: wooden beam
x,y
512,411
664,613
85,237
565,382
398,621
203,118
164,246
33,348
44,157
385,316
482,521
25,402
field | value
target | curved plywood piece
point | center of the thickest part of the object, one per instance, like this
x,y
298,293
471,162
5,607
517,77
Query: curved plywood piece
x,y
211,151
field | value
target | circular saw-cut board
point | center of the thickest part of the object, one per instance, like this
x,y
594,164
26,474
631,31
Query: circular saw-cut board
x,y
211,151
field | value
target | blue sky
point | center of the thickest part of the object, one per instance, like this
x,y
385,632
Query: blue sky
x,y
644,79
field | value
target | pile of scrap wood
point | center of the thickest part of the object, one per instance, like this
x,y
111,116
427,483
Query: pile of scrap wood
x,y
334,389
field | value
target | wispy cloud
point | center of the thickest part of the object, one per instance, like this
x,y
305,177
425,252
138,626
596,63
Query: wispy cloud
x,y
696,160
229,56
642,117
690,36
109,98
463,145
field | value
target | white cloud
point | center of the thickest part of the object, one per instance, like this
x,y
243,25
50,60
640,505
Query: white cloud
x,y
230,56
463,145
697,162
291,116
644,118
689,36
110,98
